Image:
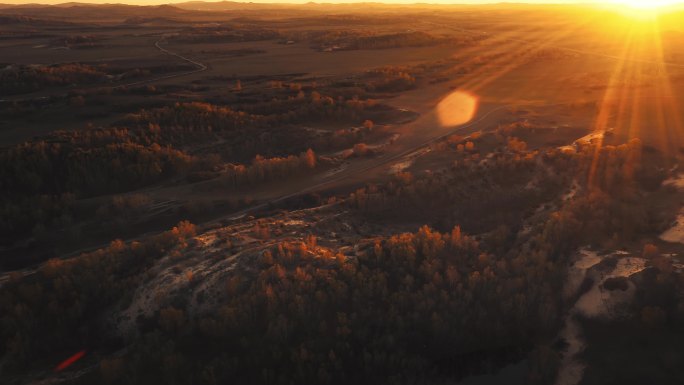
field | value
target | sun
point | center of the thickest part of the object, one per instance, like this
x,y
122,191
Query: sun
x,y
646,4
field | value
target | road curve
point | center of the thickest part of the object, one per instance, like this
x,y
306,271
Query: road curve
x,y
200,67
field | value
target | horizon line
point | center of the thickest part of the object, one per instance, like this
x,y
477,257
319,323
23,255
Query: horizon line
x,y
305,2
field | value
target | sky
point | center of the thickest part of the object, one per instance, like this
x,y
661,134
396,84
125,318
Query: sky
x,y
637,3
152,2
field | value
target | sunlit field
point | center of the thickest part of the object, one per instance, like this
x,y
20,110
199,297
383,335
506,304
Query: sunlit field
x,y
253,193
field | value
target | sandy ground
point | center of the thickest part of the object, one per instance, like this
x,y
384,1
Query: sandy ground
x,y
596,302
198,275
675,234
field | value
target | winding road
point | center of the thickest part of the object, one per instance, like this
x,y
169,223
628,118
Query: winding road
x,y
200,67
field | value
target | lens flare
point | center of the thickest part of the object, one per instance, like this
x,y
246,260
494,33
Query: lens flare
x,y
69,361
458,107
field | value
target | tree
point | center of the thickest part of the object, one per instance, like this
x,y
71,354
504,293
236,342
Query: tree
x,y
360,149
184,230
469,146
515,144
310,158
650,251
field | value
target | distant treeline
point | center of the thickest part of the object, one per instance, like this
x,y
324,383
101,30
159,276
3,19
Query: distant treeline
x,y
224,34
355,40
21,79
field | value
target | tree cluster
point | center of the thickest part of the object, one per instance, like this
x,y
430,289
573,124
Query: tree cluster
x,y
256,129
421,306
40,180
390,79
268,169
59,309
477,194
21,79
225,34
79,41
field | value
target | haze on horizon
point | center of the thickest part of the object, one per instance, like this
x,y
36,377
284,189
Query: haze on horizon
x,y
408,2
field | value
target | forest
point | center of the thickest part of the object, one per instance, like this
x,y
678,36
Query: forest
x,y
54,175
240,146
304,311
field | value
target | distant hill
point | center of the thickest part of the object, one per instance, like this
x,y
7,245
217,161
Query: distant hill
x,y
213,10
310,6
233,6
94,12
139,20
26,20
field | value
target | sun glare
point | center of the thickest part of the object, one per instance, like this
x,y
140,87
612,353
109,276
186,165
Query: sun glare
x,y
646,4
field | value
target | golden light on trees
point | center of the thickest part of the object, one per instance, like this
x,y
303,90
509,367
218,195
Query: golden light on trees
x,y
632,85
639,100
